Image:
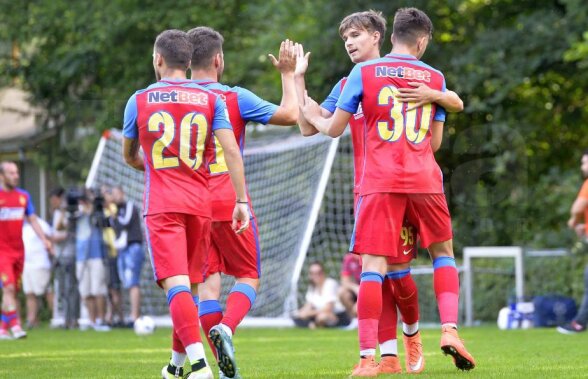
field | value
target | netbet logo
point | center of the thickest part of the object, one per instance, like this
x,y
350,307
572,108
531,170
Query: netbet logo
x,y
177,96
402,72
11,214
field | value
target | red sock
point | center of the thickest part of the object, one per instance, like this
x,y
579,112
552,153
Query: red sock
x,y
239,303
183,313
177,345
369,309
210,314
446,283
406,295
389,318
10,319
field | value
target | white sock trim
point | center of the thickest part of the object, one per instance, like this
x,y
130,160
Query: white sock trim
x,y
410,329
389,347
367,352
178,359
195,352
449,324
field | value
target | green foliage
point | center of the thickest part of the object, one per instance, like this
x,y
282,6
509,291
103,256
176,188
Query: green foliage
x,y
509,161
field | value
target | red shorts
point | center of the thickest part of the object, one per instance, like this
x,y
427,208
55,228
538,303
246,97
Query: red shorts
x,y
178,244
11,266
379,219
234,254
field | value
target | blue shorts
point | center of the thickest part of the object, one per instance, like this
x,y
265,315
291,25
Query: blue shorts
x,y
130,263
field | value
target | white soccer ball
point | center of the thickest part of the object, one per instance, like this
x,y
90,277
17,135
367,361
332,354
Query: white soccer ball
x,y
144,326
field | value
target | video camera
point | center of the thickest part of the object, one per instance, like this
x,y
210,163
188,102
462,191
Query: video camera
x,y
73,197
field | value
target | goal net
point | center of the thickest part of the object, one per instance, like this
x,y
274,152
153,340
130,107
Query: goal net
x,y
286,175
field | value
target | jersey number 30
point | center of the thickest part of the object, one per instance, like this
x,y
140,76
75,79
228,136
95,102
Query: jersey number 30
x,y
192,159
404,122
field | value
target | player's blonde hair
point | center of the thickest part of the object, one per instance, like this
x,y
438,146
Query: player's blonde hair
x,y
371,20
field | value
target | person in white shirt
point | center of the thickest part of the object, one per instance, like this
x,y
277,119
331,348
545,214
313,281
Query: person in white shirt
x,y
322,307
37,271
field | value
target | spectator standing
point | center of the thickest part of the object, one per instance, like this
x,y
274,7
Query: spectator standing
x,y
131,256
36,278
90,267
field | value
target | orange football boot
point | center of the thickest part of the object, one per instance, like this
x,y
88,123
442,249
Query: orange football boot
x,y
389,365
413,349
453,345
367,367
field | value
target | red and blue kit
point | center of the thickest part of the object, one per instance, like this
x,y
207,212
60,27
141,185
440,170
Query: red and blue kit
x,y
236,255
398,159
173,121
15,205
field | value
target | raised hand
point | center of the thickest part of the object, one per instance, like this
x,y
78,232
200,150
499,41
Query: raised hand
x,y
301,59
287,58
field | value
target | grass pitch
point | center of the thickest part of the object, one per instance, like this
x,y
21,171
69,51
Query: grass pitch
x,y
289,353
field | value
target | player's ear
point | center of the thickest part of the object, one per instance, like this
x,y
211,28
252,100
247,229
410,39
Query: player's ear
x,y
158,60
376,36
218,59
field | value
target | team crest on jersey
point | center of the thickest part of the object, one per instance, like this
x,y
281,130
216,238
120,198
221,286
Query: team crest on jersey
x,y
22,200
177,96
359,113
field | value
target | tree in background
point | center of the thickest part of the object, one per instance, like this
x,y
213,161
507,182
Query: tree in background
x,y
510,160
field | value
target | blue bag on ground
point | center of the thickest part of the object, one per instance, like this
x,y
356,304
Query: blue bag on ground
x,y
553,310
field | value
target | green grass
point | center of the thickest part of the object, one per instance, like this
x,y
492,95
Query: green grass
x,y
289,353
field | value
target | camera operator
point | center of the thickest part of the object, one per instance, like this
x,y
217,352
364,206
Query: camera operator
x,y
90,257
131,256
65,210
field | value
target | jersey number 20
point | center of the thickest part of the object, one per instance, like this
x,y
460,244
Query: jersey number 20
x,y
189,121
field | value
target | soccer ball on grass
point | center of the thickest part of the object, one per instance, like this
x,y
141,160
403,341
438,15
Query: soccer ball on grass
x,y
144,326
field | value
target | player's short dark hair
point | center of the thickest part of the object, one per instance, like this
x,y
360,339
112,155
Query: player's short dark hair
x,y
206,43
371,20
57,192
410,24
175,48
585,152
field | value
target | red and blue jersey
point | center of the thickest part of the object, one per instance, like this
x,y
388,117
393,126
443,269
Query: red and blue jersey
x,y
243,106
357,127
15,205
397,157
174,120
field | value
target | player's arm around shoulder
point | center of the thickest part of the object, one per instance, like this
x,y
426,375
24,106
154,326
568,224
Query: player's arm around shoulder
x,y
420,94
287,112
